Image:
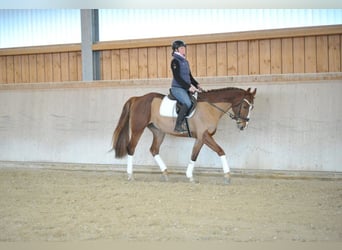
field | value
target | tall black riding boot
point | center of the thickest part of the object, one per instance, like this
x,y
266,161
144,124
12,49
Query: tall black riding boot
x,y
180,119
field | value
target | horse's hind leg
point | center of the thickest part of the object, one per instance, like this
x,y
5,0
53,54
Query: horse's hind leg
x,y
158,138
136,134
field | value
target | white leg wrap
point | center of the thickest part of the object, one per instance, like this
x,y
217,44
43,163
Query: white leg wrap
x,y
129,164
190,169
160,162
224,164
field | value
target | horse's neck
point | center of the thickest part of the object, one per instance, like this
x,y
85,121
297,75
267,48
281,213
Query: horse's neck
x,y
222,100
228,96
218,109
233,96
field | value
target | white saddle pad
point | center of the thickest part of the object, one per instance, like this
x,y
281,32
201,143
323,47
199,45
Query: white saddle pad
x,y
168,108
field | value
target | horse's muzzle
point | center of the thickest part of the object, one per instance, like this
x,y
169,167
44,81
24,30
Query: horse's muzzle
x,y
242,125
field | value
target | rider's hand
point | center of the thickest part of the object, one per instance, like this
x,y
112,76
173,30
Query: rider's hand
x,y
193,89
201,89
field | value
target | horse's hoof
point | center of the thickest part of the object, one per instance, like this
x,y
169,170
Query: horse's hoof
x,y
192,180
165,176
226,179
130,177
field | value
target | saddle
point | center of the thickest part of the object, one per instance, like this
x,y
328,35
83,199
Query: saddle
x,y
170,106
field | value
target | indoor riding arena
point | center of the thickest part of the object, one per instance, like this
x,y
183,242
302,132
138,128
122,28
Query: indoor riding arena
x,y
59,181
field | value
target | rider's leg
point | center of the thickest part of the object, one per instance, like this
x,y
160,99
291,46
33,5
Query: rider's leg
x,y
180,119
183,97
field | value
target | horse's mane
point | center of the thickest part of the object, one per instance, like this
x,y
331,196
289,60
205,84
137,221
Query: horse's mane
x,y
218,95
223,89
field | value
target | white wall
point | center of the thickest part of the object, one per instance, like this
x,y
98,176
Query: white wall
x,y
294,126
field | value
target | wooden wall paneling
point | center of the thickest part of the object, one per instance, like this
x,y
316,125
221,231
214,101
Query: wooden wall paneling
x,y
40,68
17,68
211,55
310,55
152,68
191,56
3,69
101,66
334,53
287,55
232,60
56,67
201,60
168,62
48,67
276,56
253,57
302,50
65,66
10,69
243,58
222,60
106,65
116,64
73,66
25,69
79,66
265,56
298,55
142,63
33,67
322,54
133,63
124,64
161,62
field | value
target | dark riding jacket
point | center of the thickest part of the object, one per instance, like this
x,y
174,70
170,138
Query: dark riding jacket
x,y
182,77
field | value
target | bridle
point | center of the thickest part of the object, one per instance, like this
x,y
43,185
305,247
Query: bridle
x,y
237,117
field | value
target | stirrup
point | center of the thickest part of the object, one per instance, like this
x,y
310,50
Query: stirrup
x,y
180,129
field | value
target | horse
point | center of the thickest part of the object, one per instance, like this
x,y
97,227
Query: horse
x,y
140,112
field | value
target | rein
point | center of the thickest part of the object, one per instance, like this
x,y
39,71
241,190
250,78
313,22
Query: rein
x,y
231,115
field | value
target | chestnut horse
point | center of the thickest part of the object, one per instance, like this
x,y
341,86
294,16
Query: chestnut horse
x,y
140,112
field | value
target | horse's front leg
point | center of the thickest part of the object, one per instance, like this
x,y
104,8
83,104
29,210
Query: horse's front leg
x,y
211,143
195,151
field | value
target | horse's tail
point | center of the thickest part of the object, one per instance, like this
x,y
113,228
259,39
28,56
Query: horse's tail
x,y
121,132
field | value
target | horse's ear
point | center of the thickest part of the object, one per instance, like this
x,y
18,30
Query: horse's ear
x,y
254,92
248,90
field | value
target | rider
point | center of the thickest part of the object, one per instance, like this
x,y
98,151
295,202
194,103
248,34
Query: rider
x,y
182,83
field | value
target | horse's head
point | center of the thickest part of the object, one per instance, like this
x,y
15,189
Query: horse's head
x,y
242,109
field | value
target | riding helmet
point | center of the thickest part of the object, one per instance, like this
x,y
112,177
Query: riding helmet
x,y
178,43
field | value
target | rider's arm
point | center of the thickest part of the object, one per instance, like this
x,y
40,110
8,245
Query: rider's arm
x,y
193,81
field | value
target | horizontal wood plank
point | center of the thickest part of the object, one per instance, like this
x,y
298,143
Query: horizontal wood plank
x,y
280,51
